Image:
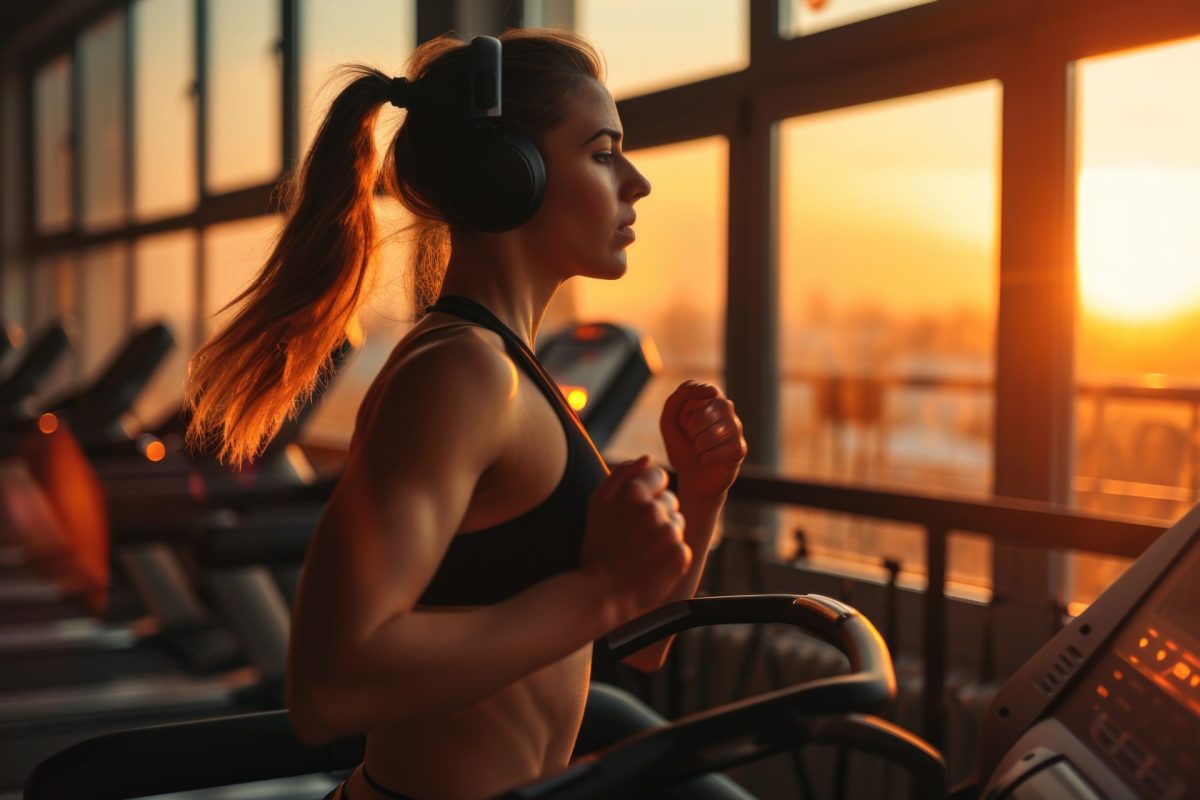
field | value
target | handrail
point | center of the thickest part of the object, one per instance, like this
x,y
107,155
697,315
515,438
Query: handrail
x,y
1011,520
1006,520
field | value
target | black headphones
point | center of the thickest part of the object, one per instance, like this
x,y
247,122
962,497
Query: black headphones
x,y
500,179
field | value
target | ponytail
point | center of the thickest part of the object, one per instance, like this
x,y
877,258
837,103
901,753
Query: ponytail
x,y
260,368
266,362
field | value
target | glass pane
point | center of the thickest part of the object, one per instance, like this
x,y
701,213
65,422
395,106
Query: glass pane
x,y
650,46
379,33
52,140
674,289
1137,247
802,17
14,296
103,298
245,94
164,108
54,296
386,317
164,269
884,380
102,123
233,254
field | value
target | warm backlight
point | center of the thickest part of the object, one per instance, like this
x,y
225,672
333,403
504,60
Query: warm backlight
x,y
47,423
1138,242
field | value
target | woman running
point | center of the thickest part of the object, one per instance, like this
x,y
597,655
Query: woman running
x,y
476,544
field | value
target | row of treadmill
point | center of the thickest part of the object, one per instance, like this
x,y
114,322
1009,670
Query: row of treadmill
x,y
145,593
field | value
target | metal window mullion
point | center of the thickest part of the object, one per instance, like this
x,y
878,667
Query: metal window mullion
x,y
130,165
75,117
1034,375
289,44
752,294
200,95
202,197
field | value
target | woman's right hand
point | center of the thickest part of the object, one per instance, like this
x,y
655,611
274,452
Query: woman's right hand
x,y
633,544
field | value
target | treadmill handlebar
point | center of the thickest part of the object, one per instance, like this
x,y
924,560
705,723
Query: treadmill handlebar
x,y
749,729
836,623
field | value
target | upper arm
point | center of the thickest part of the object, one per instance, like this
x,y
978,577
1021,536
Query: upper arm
x,y
437,425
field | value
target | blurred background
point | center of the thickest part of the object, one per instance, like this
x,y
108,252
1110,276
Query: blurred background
x,y
944,247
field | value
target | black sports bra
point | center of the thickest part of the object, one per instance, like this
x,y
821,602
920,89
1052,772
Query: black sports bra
x,y
490,565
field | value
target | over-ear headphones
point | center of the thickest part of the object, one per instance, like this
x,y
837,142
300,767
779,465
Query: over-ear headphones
x,y
499,180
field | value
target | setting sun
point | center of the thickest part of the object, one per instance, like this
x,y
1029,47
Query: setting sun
x,y
1138,244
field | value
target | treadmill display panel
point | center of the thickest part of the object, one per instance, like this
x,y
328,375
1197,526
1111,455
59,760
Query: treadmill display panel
x,y
589,358
1138,706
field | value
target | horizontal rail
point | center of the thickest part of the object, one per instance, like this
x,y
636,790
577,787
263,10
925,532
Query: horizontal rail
x,y
1005,520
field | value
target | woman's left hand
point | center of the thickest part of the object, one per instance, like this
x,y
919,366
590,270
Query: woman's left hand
x,y
704,439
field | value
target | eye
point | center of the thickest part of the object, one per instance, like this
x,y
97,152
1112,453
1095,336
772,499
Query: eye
x,y
603,157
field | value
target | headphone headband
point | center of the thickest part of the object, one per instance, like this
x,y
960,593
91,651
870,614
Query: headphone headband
x,y
485,75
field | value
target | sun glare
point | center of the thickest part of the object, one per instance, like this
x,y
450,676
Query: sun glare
x,y
1138,242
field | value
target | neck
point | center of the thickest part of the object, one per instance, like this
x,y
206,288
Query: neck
x,y
492,271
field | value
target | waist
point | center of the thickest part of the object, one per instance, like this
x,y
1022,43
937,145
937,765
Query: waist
x,y
515,736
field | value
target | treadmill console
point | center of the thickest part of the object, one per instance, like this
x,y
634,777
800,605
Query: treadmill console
x,y
1122,721
600,368
1137,706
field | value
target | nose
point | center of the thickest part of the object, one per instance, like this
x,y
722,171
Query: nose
x,y
636,185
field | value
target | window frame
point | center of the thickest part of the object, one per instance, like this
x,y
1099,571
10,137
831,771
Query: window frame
x,y
1029,46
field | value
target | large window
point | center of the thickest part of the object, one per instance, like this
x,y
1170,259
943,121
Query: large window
x,y
245,133
164,107
165,291
55,156
888,259
803,17
103,305
102,122
378,33
1138,252
646,48
674,288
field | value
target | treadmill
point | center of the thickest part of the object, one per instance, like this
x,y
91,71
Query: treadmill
x,y
239,547
1108,709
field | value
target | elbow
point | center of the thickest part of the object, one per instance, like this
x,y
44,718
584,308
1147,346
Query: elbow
x,y
314,715
310,722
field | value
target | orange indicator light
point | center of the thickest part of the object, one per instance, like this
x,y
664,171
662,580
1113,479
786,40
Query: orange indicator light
x,y
156,451
47,423
1118,674
1143,642
1182,671
1161,655
577,398
1102,690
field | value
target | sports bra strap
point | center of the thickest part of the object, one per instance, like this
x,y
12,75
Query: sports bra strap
x,y
472,311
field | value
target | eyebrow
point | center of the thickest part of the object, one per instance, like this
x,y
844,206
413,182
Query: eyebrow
x,y
616,136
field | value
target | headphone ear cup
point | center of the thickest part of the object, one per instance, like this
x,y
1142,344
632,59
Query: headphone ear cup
x,y
499,182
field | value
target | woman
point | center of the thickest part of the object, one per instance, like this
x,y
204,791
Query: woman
x,y
471,552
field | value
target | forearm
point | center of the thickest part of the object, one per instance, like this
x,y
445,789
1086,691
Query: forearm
x,y
434,663
702,514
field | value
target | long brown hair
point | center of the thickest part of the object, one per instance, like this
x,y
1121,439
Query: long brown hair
x,y
257,371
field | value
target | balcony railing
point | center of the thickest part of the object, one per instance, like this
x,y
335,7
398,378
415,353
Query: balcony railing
x,y
1001,520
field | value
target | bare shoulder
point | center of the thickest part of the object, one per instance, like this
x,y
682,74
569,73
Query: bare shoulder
x,y
448,380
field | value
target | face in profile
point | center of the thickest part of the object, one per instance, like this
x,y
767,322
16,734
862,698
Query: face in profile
x,y
583,224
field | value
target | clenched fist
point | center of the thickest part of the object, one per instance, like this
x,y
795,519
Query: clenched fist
x,y
703,437
633,544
